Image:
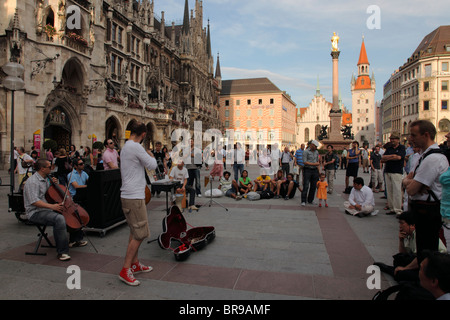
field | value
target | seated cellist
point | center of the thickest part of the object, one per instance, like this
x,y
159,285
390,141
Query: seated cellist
x,y
39,211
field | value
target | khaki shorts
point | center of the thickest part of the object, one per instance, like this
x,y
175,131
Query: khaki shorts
x,y
135,212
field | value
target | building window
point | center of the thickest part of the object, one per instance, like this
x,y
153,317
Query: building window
x,y
426,86
444,104
428,70
238,102
119,35
259,123
237,123
249,102
271,101
249,112
444,85
249,124
113,63
227,113
238,113
227,124
113,31
426,105
259,101
307,134
227,103
445,66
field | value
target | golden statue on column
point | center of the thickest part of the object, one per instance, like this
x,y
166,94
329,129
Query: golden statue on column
x,y
335,42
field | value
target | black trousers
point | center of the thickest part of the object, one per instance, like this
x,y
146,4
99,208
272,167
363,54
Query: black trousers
x,y
428,222
310,178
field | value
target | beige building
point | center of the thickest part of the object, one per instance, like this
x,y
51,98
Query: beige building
x,y
121,64
363,101
311,119
256,109
420,87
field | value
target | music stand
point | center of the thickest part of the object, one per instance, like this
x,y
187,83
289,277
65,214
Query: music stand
x,y
211,198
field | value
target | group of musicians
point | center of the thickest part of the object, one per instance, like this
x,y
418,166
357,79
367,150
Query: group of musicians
x,y
134,161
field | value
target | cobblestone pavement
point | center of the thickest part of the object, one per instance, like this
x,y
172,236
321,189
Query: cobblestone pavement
x,y
264,250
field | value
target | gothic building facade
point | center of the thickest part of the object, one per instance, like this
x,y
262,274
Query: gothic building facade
x,y
93,67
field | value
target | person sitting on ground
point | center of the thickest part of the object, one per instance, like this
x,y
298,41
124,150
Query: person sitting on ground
x,y
288,188
262,183
434,274
360,202
405,266
229,187
245,183
276,182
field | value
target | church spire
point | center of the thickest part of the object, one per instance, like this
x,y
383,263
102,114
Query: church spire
x,y
186,18
218,72
363,54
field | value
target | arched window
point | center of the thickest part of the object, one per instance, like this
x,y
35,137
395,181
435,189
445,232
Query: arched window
x,y
444,125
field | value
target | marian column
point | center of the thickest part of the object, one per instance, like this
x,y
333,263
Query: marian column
x,y
335,113
335,137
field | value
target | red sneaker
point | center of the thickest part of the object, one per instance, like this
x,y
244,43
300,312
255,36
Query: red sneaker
x,y
126,275
139,267
326,205
320,205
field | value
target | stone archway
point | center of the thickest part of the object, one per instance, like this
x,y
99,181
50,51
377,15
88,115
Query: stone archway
x,y
113,130
57,127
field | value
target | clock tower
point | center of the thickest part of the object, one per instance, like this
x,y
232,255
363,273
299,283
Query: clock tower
x,y
363,101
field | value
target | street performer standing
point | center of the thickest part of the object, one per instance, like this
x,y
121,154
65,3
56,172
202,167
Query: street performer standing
x,y
133,161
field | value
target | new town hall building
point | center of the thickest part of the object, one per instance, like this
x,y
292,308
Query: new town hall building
x,y
123,64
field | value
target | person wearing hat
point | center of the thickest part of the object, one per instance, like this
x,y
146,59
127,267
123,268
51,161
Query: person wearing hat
x,y
393,159
311,159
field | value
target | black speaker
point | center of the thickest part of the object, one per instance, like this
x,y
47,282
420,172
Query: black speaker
x,y
103,198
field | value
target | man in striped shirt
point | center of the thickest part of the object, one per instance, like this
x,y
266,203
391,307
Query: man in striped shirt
x,y
299,162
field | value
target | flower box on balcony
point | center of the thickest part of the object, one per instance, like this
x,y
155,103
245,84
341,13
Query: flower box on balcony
x,y
77,38
134,105
114,100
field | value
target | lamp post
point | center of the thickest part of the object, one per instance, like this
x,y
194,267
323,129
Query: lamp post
x,y
13,83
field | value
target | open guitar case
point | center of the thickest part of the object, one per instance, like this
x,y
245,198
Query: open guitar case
x,y
179,239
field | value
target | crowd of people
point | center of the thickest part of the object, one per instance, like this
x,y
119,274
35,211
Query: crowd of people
x,y
415,181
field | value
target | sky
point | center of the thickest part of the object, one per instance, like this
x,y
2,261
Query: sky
x,y
289,41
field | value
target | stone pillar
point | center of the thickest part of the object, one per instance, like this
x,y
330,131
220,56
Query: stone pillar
x,y
335,113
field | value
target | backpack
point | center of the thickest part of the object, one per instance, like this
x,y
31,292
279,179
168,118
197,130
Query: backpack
x,y
336,162
405,291
267,194
252,196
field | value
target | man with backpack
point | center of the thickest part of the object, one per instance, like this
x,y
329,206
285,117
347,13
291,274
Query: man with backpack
x,y
423,186
330,164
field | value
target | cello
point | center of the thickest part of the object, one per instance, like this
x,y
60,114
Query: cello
x,y
75,215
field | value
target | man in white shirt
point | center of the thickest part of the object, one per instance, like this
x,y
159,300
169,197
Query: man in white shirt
x,y
422,185
181,174
134,160
360,202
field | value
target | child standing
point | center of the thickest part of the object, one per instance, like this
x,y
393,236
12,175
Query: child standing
x,y
322,190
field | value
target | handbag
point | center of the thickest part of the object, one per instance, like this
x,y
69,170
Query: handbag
x,y
295,170
25,164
